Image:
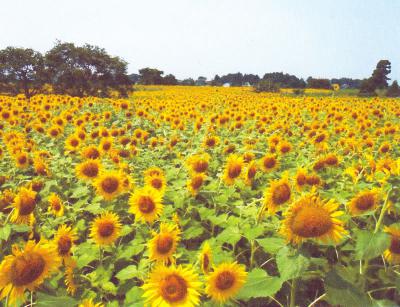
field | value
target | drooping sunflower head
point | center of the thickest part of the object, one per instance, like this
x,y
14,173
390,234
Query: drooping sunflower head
x,y
277,194
233,169
225,281
205,258
172,286
269,163
313,218
64,240
163,244
146,204
392,254
105,228
24,205
363,202
88,170
56,205
109,184
26,269
195,183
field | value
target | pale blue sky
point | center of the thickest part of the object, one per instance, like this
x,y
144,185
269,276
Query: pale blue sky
x,y
204,37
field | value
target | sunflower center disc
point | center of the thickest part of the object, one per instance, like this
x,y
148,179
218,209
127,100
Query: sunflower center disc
x,y
146,204
110,185
311,222
27,268
225,280
173,288
281,194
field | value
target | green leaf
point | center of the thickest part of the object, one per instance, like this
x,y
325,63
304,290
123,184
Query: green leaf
x,y
370,245
5,232
272,245
251,232
45,300
134,297
341,292
291,264
127,273
259,284
109,287
230,235
193,232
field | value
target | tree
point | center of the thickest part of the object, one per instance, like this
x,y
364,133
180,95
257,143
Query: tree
x,y
379,76
201,81
134,78
86,70
266,85
21,70
189,82
285,80
216,81
150,76
318,83
170,80
393,90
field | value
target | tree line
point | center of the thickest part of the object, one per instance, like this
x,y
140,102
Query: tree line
x,y
90,71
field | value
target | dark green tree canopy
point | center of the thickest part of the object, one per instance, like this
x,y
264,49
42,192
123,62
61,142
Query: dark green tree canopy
x,y
150,76
21,70
393,90
86,70
380,74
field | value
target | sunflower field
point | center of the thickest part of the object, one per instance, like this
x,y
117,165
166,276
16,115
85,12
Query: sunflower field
x,y
199,196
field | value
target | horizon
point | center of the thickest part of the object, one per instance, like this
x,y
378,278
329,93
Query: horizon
x,y
333,39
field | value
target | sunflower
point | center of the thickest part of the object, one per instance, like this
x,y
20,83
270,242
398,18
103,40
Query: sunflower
x,y
163,244
157,182
233,169
40,166
109,184
24,204
55,205
89,303
145,204
88,170
90,152
153,171
210,141
26,269
198,163
72,143
64,240
105,229
301,178
269,163
195,183
278,193
70,265
21,160
106,145
172,286
225,281
363,202
205,258
312,218
250,173
392,254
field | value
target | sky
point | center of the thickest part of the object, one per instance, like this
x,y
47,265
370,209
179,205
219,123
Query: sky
x,y
191,38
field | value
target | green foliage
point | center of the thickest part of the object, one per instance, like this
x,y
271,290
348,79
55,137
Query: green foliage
x,y
266,86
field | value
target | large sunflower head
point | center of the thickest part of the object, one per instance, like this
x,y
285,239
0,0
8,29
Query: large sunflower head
x,y
233,169
392,254
109,184
146,204
26,269
278,193
225,281
157,182
363,202
64,240
88,170
312,218
163,244
105,228
172,286
24,205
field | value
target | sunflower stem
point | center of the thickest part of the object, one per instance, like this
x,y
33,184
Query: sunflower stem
x,y
382,214
293,293
252,251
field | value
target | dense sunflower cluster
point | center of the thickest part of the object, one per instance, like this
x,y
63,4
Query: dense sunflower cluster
x,y
183,196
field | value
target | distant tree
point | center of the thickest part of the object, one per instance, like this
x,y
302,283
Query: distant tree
x,y
150,76
201,81
216,81
86,70
188,81
266,85
393,90
380,74
21,70
251,79
169,80
285,80
134,78
318,83
347,82
378,80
